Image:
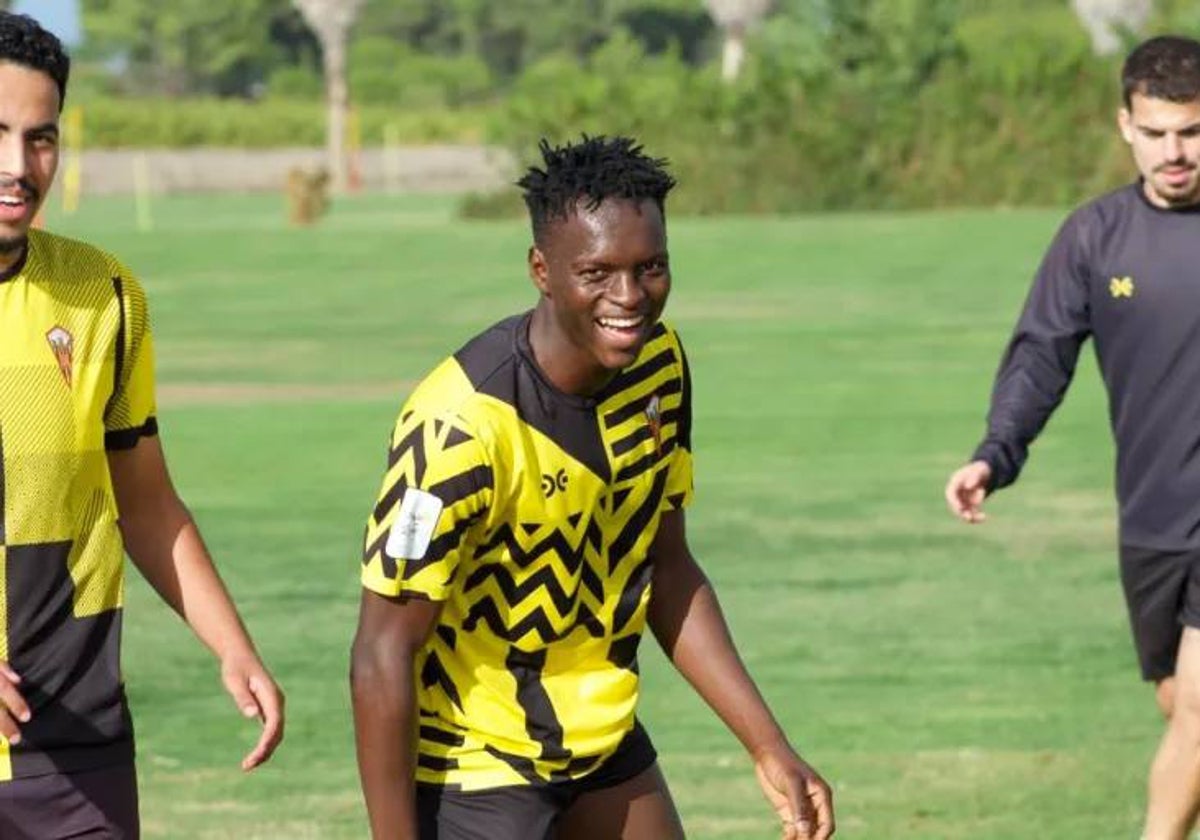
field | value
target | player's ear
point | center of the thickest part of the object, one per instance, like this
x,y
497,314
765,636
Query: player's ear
x,y
539,272
1125,124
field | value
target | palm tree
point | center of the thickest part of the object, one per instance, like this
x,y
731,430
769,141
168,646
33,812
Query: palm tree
x,y
735,17
1105,19
330,21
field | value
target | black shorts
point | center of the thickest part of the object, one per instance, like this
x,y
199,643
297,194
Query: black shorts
x,y
524,812
89,805
1162,591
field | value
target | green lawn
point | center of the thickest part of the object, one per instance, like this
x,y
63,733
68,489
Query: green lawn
x,y
950,682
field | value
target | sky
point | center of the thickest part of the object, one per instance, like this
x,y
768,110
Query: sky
x,y
59,16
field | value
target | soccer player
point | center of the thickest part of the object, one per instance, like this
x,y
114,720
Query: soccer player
x,y
82,477
1125,269
530,525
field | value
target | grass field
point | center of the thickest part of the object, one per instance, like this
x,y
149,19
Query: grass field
x,y
949,682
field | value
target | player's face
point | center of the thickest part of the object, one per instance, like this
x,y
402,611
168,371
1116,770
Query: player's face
x,y
604,276
28,151
1165,139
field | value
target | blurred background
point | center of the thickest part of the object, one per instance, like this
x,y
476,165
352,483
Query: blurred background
x,y
763,106
317,196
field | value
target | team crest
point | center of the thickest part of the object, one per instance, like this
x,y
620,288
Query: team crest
x,y
654,418
62,344
1120,287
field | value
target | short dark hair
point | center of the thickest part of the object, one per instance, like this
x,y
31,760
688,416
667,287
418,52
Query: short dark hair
x,y
23,41
592,169
1166,67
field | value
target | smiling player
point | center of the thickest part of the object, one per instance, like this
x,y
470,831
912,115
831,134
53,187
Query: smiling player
x,y
529,527
83,479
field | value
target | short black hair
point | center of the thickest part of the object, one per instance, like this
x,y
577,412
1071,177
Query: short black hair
x,y
1166,67
591,170
23,41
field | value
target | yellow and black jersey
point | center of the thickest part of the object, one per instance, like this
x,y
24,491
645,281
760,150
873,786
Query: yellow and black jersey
x,y
76,379
529,513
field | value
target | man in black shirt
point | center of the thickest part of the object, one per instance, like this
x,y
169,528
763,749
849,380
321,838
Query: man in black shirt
x,y
1125,270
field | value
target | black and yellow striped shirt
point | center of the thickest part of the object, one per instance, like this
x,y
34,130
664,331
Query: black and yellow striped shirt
x,y
76,379
529,513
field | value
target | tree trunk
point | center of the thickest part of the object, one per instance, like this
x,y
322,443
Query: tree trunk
x,y
1107,20
330,21
337,99
733,52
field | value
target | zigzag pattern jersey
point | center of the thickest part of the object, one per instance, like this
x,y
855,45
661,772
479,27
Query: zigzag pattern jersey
x,y
76,379
529,513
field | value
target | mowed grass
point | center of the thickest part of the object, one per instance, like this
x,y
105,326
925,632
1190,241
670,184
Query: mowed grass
x,y
950,682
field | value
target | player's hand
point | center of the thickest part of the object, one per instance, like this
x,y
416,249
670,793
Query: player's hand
x,y
966,490
257,696
13,708
797,793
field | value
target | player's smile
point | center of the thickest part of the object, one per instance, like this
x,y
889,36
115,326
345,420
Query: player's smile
x,y
16,205
625,333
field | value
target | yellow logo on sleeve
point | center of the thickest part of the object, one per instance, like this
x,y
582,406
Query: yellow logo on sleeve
x,y
1120,287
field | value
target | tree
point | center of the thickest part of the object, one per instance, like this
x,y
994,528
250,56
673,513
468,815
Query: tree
x,y
330,21
1107,20
735,17
188,47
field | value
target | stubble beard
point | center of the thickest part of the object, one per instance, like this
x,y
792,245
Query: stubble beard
x,y
1176,197
13,245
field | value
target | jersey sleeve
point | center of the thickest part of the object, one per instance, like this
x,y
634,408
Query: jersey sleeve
x,y
437,486
1040,360
680,483
130,412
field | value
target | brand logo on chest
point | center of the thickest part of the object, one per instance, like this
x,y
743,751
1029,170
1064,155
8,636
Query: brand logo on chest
x,y
1120,287
62,344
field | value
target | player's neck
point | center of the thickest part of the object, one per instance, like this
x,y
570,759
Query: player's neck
x,y
1161,203
12,260
561,363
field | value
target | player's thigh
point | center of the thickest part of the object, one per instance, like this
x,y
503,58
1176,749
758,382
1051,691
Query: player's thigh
x,y
640,808
1158,586
511,813
90,805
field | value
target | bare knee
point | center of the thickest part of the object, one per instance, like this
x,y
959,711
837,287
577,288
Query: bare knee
x,y
1164,694
1185,710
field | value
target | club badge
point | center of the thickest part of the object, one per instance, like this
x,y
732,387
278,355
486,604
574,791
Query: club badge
x,y
62,344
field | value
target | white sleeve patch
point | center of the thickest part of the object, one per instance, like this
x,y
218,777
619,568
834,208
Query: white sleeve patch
x,y
414,525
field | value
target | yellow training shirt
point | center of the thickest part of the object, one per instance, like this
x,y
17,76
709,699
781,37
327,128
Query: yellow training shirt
x,y
76,379
529,513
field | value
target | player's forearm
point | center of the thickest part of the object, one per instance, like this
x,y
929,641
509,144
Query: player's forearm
x,y
384,704
168,550
692,630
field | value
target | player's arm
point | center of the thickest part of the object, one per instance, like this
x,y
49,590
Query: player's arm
x,y
1034,372
391,632
689,625
165,545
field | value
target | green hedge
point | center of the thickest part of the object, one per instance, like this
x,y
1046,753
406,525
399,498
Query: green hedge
x,y
173,123
996,109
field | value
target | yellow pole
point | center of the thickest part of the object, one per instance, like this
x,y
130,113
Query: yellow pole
x,y
73,165
354,149
391,157
141,193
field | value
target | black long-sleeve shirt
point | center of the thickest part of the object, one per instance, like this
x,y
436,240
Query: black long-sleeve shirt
x,y
1126,273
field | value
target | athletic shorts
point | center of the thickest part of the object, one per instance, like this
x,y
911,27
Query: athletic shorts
x,y
524,812
89,805
1162,591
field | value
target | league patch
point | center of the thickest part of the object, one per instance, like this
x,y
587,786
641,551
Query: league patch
x,y
414,525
